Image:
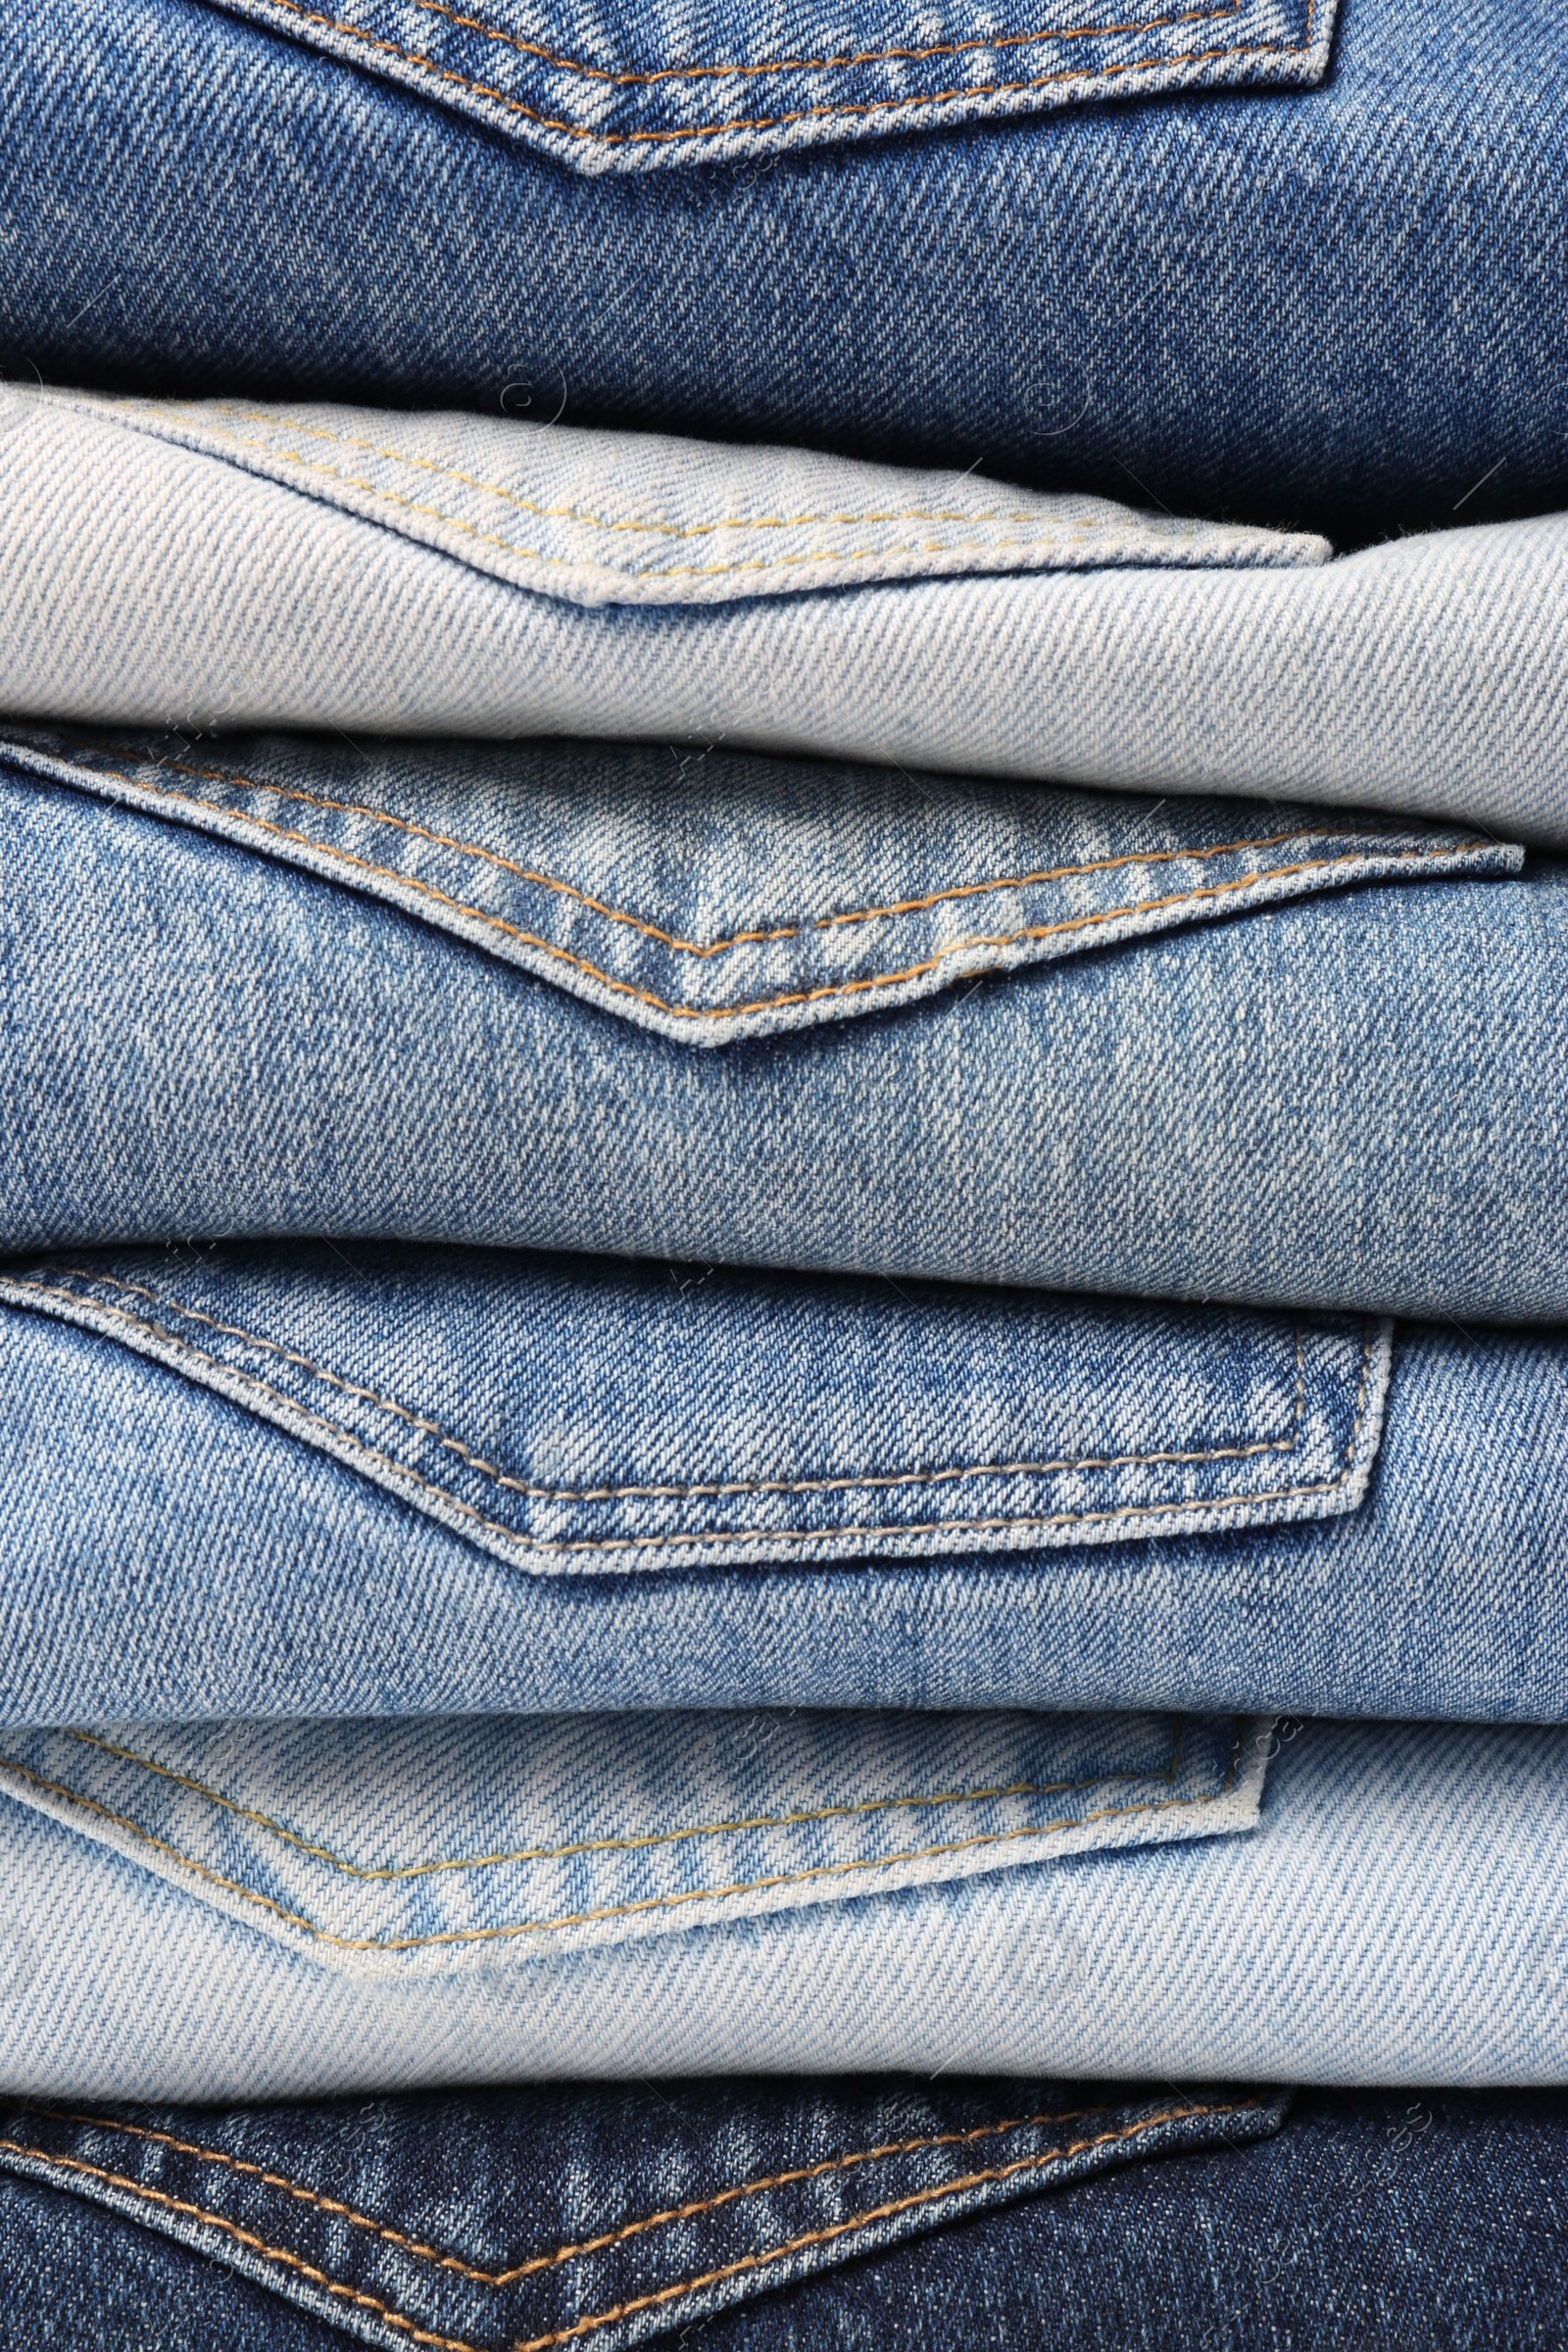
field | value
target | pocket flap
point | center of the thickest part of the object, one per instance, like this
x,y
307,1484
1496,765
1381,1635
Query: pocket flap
x,y
713,896
596,517
608,88
432,1844
580,1415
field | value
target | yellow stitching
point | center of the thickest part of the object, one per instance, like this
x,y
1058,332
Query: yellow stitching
x,y
450,2343
657,1902
706,1491
708,130
625,572
617,1845
592,2245
622,79
198,413
651,930
751,1534
809,995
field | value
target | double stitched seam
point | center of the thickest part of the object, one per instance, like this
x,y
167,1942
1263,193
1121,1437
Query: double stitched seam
x,y
444,2261
1043,537
617,1846
706,1491
353,1444
702,950
416,2333
971,94
199,415
1001,941
662,1902
626,79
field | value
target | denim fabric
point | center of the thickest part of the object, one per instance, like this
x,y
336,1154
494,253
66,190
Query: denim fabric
x,y
1395,1917
1342,306
317,1512
542,2219
1366,2220
433,1847
1372,2223
492,578
1353,1100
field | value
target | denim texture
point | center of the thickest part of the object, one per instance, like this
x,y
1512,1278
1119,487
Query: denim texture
x,y
1395,1917
444,1847
532,2220
1350,1101
1367,2220
186,1512
489,578
1342,307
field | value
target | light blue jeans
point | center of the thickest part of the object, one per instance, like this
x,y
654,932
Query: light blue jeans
x,y
462,576
245,1914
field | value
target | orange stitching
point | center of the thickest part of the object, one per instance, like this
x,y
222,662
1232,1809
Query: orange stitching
x,y
877,2213
707,130
591,2245
750,1535
617,1846
668,2294
1043,538
810,995
649,1903
199,412
652,930
816,65
707,1491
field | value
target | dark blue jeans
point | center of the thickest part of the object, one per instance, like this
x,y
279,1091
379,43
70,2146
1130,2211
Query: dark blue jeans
x,y
795,2219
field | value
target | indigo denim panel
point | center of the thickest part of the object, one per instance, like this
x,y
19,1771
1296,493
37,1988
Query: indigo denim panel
x,y
1395,1917
1350,1100
1372,2222
494,578
519,2222
1341,304
531,1484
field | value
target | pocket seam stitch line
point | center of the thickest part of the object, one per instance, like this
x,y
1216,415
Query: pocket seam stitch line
x,y
811,996
989,90
698,1490
449,2344
1371,835
601,1846
514,1930
761,1534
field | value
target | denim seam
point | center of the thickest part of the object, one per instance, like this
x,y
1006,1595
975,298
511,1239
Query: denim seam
x,y
1246,1449
971,93
443,2261
198,416
1043,538
810,995
401,2321
626,79
650,1903
605,1846
1372,835
996,1523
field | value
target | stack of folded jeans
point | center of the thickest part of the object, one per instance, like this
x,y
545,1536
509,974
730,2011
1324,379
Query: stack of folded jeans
x,y
783,1175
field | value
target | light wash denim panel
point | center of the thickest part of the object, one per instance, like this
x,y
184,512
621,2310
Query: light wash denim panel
x,y
195,565
749,1011
1335,297
247,1912
610,2214
370,1480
